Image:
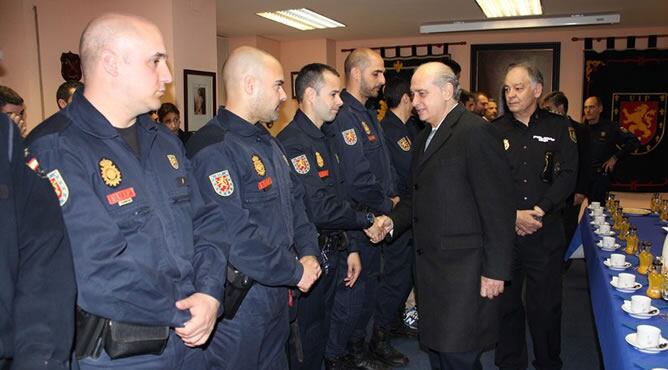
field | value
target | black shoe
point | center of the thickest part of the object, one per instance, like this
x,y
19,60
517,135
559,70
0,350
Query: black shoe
x,y
381,349
359,357
336,364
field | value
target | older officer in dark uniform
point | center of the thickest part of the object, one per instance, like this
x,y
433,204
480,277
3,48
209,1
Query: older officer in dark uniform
x,y
369,176
243,170
543,157
461,211
37,288
148,267
609,144
314,159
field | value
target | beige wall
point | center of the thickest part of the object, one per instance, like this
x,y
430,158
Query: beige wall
x,y
188,27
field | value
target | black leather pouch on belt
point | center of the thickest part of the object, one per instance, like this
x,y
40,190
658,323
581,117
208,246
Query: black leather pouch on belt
x,y
126,340
237,285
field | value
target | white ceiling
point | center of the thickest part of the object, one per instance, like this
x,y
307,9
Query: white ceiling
x,y
402,18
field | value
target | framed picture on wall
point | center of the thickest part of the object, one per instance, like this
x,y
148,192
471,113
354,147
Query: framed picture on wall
x,y
293,79
199,100
489,63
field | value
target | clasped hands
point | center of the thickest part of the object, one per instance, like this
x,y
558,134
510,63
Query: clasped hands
x,y
381,226
528,221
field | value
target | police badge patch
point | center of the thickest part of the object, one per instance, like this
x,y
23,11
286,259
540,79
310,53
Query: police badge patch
x,y
222,183
404,143
301,164
571,134
59,186
318,160
258,165
367,130
173,161
110,174
349,136
506,144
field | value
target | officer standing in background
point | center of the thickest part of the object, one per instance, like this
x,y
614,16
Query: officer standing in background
x,y
243,170
400,131
609,144
543,154
37,288
314,159
369,178
149,270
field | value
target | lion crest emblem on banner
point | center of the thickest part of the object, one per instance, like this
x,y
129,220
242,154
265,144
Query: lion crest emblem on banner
x,y
643,115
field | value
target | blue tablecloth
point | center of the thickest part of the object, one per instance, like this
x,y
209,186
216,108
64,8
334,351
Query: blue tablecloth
x,y
612,323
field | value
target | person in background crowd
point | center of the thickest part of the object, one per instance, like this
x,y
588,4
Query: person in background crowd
x,y
65,92
543,158
492,110
609,144
467,100
169,115
481,101
11,103
243,170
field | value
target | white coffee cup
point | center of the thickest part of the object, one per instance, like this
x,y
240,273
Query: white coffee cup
x,y
598,211
604,228
640,303
625,280
617,260
595,205
608,242
648,336
599,220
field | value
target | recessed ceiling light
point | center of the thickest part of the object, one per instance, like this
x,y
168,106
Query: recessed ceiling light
x,y
510,8
301,19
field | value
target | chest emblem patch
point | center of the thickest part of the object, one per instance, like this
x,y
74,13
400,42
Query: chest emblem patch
x,y
506,144
110,174
222,183
571,134
319,161
59,186
404,143
301,164
367,130
173,161
349,136
258,165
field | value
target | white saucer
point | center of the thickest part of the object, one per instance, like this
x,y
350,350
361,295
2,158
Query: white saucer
x,y
631,339
653,311
614,247
607,264
632,289
610,233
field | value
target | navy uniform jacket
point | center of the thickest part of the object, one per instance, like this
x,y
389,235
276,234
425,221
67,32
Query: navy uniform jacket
x,y
142,237
399,138
608,139
527,146
241,168
361,146
584,157
316,163
37,288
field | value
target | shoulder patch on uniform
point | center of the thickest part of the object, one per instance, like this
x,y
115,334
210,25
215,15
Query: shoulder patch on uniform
x,y
59,186
404,143
222,183
572,135
349,136
301,164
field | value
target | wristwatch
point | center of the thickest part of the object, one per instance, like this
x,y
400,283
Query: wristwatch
x,y
370,218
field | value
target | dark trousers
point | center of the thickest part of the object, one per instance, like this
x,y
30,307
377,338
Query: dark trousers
x,y
537,262
396,280
314,312
346,310
370,277
457,360
599,185
570,216
255,339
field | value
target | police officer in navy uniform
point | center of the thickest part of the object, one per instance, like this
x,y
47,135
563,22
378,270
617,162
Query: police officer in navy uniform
x,y
369,176
243,169
150,273
314,159
542,151
609,144
400,132
37,288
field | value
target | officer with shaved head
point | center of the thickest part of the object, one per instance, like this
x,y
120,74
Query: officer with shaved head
x,y
243,170
149,269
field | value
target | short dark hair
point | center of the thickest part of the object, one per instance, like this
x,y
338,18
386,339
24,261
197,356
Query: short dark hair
x,y
476,94
557,98
311,75
395,89
456,68
9,96
465,96
165,109
534,73
63,91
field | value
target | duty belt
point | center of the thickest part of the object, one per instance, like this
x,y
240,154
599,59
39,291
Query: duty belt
x,y
333,241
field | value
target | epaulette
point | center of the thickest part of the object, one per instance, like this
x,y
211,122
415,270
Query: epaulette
x,y
204,137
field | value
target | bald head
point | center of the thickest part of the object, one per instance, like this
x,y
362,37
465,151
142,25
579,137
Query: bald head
x,y
435,91
253,81
360,59
364,70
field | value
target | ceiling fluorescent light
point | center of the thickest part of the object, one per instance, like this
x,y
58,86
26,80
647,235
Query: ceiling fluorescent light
x,y
504,24
510,8
302,19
